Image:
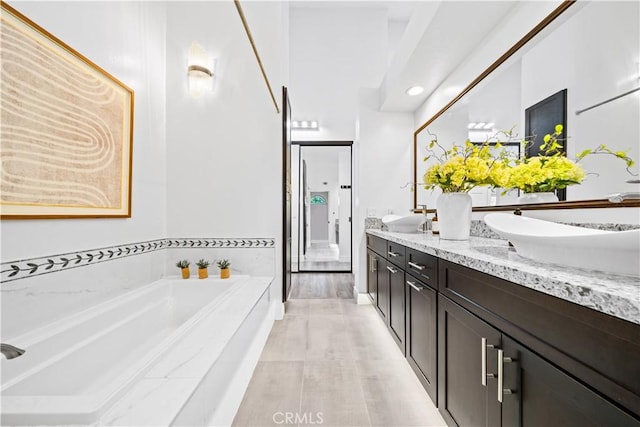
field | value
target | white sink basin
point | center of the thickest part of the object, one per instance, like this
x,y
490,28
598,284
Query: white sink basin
x,y
615,252
404,224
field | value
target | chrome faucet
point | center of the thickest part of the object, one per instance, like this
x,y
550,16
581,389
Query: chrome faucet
x,y
10,351
619,197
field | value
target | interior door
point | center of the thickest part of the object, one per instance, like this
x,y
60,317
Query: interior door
x,y
319,216
286,190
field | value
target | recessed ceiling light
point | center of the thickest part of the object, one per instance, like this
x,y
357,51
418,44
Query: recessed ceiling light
x,y
414,90
480,125
489,125
471,125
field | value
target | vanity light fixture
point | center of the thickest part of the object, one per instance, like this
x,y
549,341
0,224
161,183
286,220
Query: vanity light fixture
x,y
414,90
305,125
480,126
199,71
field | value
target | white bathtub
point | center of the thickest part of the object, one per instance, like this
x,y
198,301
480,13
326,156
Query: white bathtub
x,y
73,371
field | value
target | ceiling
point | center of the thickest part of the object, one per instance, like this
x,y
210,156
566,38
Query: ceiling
x,y
423,42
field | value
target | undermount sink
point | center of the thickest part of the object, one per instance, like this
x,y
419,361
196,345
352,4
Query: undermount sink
x,y
609,251
404,224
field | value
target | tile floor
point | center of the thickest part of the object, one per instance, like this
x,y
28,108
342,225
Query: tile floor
x,y
331,362
323,257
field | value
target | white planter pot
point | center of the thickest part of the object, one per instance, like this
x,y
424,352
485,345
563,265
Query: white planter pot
x,y
454,215
546,197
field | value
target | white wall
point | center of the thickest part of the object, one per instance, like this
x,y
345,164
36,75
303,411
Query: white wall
x,y
515,25
383,152
127,39
611,56
334,51
224,150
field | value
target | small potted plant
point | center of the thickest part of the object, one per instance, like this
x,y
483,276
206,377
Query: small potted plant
x,y
203,269
223,265
183,265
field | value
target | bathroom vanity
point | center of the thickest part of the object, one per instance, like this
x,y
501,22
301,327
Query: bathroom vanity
x,y
496,339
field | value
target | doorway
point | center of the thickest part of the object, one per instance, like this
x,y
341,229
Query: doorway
x,y
321,206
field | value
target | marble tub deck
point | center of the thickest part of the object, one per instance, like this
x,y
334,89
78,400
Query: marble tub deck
x,y
615,295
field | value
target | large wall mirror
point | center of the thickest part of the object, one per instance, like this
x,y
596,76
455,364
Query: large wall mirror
x,y
591,50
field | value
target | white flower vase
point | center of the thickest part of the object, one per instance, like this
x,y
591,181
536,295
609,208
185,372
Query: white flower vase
x,y
546,197
454,215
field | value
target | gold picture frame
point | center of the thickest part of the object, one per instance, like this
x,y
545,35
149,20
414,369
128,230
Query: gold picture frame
x,y
66,129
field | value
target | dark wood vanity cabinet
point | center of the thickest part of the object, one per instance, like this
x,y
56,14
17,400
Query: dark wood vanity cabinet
x,y
467,335
466,371
543,395
377,275
421,333
541,358
382,301
520,388
396,304
373,261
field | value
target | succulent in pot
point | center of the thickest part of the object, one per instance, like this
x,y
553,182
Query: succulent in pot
x,y
225,271
183,265
203,269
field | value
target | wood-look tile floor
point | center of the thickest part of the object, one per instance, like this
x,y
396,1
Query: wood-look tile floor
x,y
331,362
324,285
323,257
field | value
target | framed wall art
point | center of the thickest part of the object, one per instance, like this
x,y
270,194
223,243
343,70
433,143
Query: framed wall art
x,y
66,129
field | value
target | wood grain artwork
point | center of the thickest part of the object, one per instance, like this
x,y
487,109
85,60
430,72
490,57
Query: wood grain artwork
x,y
65,129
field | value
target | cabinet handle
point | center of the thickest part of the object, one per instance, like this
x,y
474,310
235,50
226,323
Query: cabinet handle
x,y
375,265
484,348
413,285
393,254
501,361
392,270
416,266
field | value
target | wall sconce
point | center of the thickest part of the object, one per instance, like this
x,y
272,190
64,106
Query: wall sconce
x,y
199,70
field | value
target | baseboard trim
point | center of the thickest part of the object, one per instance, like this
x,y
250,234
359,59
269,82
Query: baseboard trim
x,y
362,298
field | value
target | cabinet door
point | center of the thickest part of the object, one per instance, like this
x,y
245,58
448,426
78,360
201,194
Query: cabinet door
x,y
466,367
396,304
543,395
372,277
421,333
382,304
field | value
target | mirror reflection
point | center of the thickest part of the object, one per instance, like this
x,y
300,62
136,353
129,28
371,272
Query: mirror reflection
x,y
321,207
593,66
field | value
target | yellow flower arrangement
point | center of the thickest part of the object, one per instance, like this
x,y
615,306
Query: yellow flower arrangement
x,y
461,168
552,170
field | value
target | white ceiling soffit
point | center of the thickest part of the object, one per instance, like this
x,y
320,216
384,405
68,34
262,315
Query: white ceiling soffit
x,y
439,36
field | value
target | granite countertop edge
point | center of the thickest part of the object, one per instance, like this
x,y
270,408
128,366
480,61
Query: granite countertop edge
x,y
616,295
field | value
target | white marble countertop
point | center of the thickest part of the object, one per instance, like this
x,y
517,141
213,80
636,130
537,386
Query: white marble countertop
x,y
616,295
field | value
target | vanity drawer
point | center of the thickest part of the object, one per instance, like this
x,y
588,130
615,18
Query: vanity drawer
x,y
423,266
377,244
396,254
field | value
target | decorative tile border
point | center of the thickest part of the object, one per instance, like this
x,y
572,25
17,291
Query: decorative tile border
x,y
220,243
32,267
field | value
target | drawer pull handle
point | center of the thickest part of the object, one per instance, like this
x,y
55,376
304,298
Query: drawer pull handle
x,y
416,266
392,270
413,285
393,254
485,346
501,361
